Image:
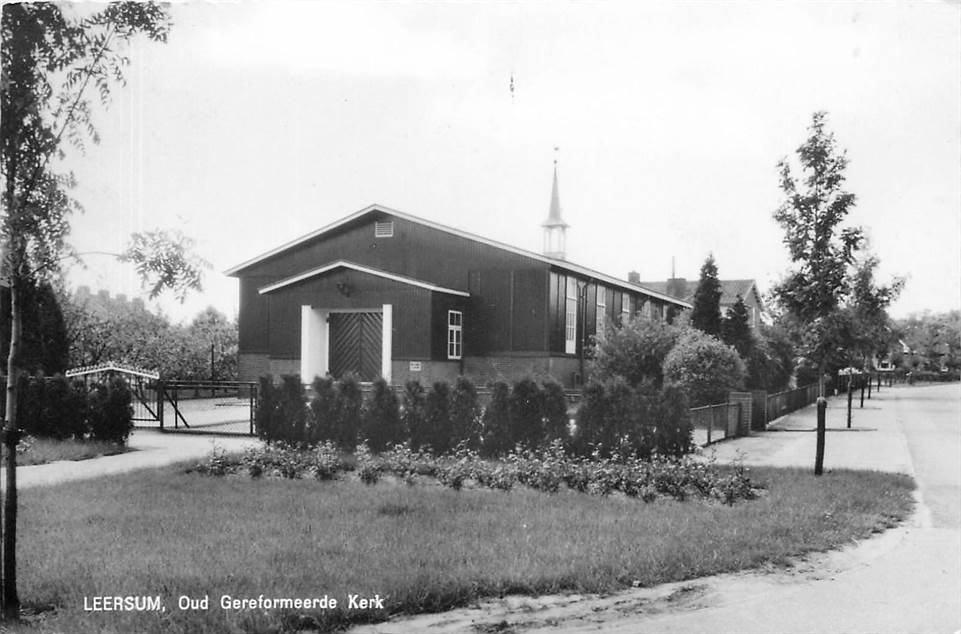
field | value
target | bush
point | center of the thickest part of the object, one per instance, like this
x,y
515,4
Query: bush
x,y
414,416
636,351
323,410
704,368
62,414
110,412
591,418
437,413
464,414
527,425
673,435
265,415
555,412
292,411
381,418
497,438
348,403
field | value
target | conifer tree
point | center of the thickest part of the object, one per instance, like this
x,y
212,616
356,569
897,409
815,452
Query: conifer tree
x,y
706,313
736,329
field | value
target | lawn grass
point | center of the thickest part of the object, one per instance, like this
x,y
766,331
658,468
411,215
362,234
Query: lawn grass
x,y
44,450
425,548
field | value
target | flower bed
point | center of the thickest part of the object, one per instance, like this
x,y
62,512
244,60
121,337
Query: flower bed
x,y
547,470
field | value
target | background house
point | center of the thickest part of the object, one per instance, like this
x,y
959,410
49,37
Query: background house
x,y
385,293
681,288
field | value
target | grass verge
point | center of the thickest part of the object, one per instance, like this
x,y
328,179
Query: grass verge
x,y
424,548
43,450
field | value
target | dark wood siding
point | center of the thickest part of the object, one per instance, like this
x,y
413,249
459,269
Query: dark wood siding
x,y
411,311
253,328
509,292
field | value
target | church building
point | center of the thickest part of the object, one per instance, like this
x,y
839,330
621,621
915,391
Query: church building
x,y
384,293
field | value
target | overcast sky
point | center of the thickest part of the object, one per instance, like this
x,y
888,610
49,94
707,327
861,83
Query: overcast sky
x,y
259,122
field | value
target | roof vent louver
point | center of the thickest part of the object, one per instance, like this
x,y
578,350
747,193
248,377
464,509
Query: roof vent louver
x,y
384,229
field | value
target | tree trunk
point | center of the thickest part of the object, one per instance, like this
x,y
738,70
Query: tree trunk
x,y
11,602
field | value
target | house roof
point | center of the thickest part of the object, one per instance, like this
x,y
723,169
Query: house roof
x,y
375,208
344,264
730,289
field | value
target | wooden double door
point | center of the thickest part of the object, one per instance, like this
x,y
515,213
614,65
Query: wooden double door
x,y
356,344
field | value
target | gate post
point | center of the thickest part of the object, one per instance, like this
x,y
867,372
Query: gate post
x,y
160,403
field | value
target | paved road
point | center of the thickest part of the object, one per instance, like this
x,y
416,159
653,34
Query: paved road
x,y
906,581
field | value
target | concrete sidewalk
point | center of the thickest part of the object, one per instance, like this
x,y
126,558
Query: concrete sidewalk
x,y
874,441
151,449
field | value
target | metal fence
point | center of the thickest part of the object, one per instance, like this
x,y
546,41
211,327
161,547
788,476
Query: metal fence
x,y
719,421
218,407
786,402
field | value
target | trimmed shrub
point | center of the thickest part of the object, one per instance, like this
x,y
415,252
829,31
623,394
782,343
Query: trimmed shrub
x,y
496,423
110,412
591,418
323,410
348,405
464,414
635,351
437,414
527,424
292,411
414,417
63,411
381,418
265,416
554,411
704,368
673,433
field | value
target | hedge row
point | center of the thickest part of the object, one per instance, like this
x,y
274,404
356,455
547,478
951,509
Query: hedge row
x,y
437,420
614,418
58,408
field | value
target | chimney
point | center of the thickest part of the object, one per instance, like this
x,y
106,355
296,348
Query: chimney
x,y
634,277
677,287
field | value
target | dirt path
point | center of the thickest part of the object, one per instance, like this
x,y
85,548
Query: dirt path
x,y
906,580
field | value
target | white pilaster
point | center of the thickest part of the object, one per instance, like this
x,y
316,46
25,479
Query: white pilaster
x,y
386,341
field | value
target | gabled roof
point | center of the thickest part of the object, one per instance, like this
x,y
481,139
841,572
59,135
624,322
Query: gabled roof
x,y
730,289
375,208
344,264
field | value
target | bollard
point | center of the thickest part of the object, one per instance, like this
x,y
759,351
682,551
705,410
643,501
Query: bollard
x,y
850,397
819,453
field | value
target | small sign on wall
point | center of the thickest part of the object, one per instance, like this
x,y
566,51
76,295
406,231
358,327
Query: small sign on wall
x,y
415,366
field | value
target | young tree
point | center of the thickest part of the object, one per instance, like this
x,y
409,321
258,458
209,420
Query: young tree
x,y
706,313
736,329
41,45
821,249
872,331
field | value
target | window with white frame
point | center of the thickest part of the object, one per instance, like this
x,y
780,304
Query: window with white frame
x,y
570,317
455,334
601,322
625,309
